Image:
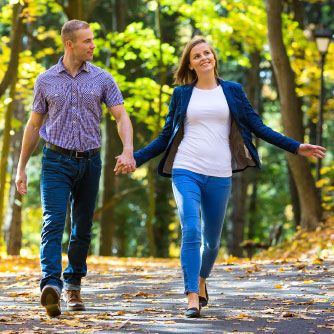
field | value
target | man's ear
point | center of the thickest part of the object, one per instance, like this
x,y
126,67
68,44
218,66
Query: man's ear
x,y
69,43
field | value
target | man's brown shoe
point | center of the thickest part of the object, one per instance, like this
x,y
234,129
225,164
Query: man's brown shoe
x,y
50,299
73,300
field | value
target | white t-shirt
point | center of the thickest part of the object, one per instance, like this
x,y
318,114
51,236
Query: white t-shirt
x,y
205,147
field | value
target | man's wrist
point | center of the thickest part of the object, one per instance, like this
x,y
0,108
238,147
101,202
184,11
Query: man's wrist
x,y
128,149
21,169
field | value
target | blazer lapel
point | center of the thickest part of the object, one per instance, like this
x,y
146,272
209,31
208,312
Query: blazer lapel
x,y
185,98
229,97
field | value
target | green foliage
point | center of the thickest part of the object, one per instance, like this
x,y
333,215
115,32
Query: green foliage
x,y
139,42
137,49
142,64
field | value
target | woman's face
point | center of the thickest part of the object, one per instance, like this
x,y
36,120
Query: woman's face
x,y
202,59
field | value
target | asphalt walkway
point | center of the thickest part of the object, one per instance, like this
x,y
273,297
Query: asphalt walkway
x,y
137,297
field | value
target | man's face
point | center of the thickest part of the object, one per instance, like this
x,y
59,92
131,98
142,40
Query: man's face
x,y
83,45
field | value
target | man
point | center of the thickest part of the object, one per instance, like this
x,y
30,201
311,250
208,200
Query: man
x,y
67,114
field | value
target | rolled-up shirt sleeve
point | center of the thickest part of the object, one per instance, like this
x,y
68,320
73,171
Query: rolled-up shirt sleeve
x,y
112,95
39,102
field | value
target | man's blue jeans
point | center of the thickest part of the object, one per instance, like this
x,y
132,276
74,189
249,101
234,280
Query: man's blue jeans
x,y
199,197
67,178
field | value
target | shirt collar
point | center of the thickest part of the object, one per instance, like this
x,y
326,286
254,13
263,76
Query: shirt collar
x,y
61,67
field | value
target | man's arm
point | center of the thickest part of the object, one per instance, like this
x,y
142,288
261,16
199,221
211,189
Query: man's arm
x,y
125,162
29,143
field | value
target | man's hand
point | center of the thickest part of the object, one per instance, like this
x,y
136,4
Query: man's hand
x,y
125,163
21,182
311,151
29,142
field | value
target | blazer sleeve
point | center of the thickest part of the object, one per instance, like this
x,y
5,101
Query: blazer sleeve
x,y
255,124
159,144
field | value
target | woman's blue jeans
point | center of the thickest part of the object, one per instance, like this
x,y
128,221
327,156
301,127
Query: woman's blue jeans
x,y
199,197
67,178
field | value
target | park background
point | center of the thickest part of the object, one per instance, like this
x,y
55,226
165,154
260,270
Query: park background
x,y
268,46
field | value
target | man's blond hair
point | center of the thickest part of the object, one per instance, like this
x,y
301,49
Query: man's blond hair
x,y
68,29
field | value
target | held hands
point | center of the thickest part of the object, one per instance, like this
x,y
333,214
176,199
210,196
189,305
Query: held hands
x,y
21,182
125,163
311,151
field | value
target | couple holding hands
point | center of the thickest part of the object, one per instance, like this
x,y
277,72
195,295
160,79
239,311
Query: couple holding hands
x,y
206,137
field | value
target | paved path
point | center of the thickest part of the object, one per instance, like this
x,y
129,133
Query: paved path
x,y
132,297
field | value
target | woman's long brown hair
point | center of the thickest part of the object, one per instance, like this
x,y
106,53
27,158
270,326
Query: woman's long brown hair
x,y
183,74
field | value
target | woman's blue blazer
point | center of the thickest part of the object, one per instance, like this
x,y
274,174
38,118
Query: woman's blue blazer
x,y
244,122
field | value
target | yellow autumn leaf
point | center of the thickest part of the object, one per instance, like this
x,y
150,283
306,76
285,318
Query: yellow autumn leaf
x,y
240,316
278,286
321,300
310,281
318,261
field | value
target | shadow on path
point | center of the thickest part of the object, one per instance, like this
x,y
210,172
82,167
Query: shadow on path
x,y
286,298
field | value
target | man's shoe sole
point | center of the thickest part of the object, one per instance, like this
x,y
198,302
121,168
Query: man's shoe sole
x,y
76,308
50,300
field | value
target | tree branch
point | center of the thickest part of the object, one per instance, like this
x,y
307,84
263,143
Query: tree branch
x,y
16,46
117,197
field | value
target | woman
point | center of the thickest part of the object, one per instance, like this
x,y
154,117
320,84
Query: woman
x,y
206,137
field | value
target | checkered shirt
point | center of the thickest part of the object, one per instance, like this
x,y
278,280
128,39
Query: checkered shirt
x,y
73,105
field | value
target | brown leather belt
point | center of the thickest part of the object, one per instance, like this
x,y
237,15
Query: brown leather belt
x,y
72,153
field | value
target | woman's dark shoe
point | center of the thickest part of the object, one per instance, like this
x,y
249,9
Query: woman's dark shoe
x,y
203,301
193,312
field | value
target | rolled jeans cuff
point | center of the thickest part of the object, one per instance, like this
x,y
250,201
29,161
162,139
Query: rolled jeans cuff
x,y
186,292
69,286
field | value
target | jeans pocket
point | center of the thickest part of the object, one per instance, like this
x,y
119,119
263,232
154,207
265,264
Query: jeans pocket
x,y
51,155
96,160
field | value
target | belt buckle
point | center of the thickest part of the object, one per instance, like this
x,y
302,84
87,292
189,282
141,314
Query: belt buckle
x,y
77,155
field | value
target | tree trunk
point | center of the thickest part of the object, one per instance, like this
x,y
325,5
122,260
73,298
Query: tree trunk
x,y
16,46
292,185
294,198
13,221
242,180
78,9
152,189
164,216
238,216
298,12
109,188
122,236
5,150
252,216
292,118
112,149
151,208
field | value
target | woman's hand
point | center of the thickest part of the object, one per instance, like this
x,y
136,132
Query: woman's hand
x,y
125,163
311,151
